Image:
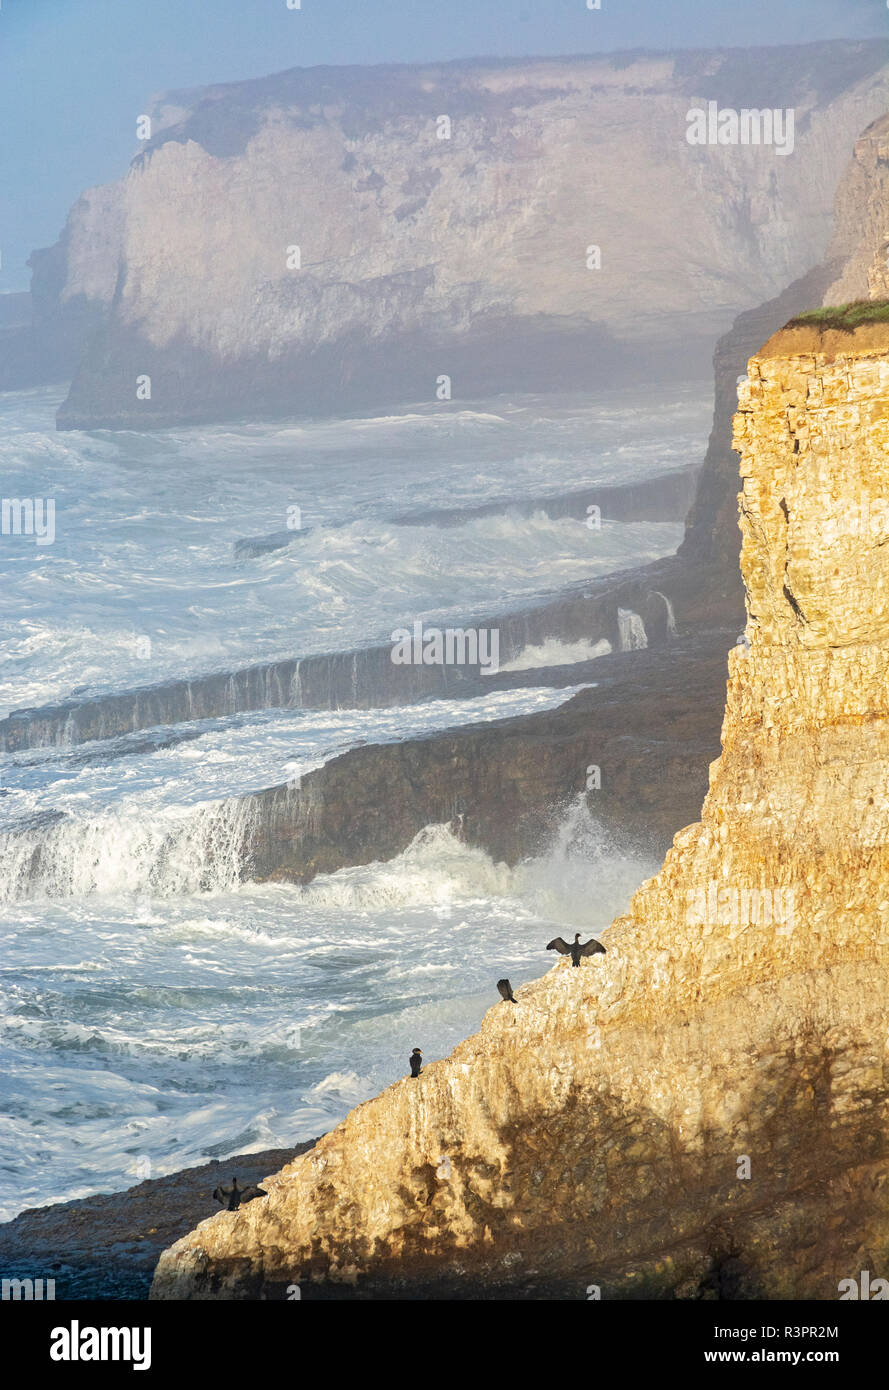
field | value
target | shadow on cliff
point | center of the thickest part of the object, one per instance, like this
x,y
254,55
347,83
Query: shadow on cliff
x,y
600,1200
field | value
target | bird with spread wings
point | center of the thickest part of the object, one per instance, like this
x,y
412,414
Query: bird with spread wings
x,y
233,1197
574,949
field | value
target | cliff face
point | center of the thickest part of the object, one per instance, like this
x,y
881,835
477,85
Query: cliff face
x,y
856,267
48,344
711,528
466,255
652,723
706,1107
861,234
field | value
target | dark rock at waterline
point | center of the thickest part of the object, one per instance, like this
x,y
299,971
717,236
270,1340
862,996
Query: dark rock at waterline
x,y
651,726
366,678
666,497
497,353
252,547
106,1246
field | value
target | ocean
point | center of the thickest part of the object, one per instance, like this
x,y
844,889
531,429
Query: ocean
x,y
155,1010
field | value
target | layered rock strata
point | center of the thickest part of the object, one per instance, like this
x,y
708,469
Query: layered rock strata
x,y
713,1093
333,239
856,267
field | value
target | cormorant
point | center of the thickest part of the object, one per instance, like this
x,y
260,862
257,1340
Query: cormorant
x,y
416,1061
505,989
232,1197
575,950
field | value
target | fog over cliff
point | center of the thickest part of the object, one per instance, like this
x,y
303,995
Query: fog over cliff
x,y
336,239
346,352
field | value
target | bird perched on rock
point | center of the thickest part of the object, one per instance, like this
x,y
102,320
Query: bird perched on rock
x,y
416,1061
505,989
574,949
233,1197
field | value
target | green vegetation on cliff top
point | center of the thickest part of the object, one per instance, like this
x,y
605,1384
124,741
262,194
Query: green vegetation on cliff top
x,y
844,317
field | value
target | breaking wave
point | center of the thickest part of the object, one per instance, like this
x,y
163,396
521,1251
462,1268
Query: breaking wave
x,y
123,853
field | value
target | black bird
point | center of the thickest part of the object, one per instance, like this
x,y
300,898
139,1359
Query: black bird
x,y
574,949
505,989
232,1197
416,1061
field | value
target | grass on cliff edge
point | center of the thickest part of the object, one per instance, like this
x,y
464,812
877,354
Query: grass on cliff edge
x,y
844,317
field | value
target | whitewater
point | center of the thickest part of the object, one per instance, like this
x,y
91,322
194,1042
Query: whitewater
x,y
155,1008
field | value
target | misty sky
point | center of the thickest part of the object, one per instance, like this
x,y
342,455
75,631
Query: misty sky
x,y
75,74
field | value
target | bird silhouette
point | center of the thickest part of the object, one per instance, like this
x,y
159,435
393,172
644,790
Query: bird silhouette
x,y
505,989
233,1197
574,949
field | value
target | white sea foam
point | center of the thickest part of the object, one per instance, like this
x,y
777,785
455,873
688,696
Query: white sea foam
x,y
311,998
153,1007
552,652
176,820
145,527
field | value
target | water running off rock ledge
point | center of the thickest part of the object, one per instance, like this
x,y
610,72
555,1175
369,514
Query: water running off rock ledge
x,y
211,1023
593,1131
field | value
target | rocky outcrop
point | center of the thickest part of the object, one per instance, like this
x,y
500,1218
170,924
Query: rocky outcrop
x,y
650,728
715,1089
65,308
856,267
861,235
106,1246
447,230
367,677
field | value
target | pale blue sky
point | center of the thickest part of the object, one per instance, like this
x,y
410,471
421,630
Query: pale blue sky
x,y
74,74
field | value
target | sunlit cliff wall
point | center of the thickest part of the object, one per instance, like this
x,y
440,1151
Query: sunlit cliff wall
x,y
601,1131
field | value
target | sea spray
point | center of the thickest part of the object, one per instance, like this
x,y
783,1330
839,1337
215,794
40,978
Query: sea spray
x,y
631,628
256,1017
583,864
554,652
671,616
121,851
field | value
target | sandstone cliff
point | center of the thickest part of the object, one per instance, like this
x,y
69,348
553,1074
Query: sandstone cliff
x,y
712,538
856,267
466,255
601,1130
861,233
106,1245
